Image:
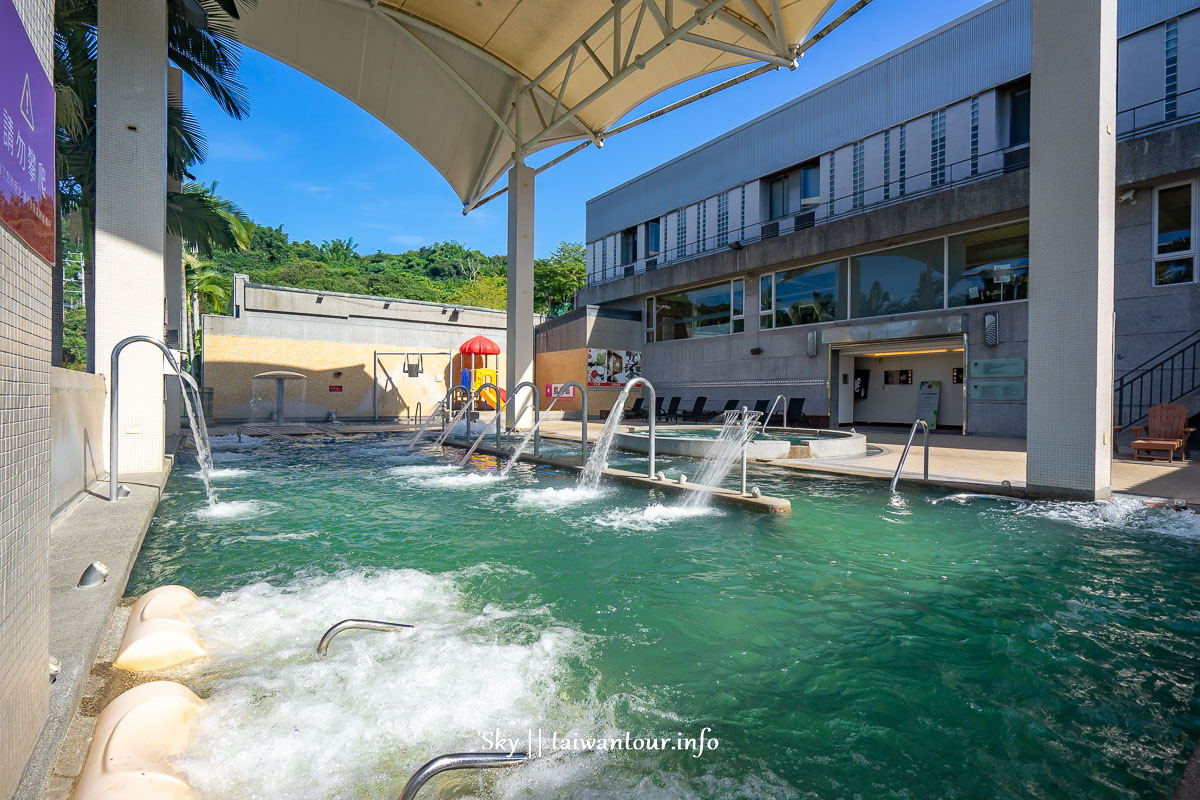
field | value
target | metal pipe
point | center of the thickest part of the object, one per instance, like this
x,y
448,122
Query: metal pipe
x,y
908,444
512,394
647,385
357,624
771,410
458,761
746,442
114,404
583,433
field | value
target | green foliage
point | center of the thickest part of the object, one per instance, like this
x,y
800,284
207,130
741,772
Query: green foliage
x,y
442,272
74,350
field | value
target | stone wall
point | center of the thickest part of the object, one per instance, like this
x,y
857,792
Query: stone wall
x,y
77,402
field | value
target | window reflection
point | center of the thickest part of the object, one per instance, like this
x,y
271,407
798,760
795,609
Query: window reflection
x,y
700,312
897,281
809,294
1175,219
990,266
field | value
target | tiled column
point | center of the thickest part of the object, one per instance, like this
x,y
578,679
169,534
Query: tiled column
x,y
174,323
1072,198
519,353
25,312
131,108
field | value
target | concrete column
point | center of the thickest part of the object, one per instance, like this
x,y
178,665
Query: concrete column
x,y
175,323
519,353
131,149
1072,203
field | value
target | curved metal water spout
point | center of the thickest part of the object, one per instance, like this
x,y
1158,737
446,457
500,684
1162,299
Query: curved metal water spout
x,y
651,415
583,434
499,410
114,404
458,761
533,390
357,624
771,410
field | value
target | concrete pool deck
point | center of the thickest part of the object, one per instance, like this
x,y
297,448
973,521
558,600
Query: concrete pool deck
x,y
89,529
964,462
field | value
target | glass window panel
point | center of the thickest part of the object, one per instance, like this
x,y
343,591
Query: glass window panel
x,y
739,297
653,240
810,185
897,281
1018,120
990,266
1175,219
777,200
766,322
1177,270
766,292
698,312
809,294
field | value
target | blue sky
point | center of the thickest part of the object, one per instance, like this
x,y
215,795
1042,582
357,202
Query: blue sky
x,y
312,161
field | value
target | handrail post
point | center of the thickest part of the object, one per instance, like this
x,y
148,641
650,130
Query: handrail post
x,y
907,445
457,761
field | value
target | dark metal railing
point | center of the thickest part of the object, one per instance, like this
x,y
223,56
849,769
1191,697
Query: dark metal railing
x,y
1163,378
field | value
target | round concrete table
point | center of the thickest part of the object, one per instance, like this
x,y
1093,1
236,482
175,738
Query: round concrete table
x,y
280,377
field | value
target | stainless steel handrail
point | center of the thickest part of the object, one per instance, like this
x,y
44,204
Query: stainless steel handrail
x,y
114,401
458,761
583,433
357,624
483,433
650,414
904,455
771,410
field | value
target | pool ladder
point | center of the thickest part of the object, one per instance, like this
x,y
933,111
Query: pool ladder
x,y
908,444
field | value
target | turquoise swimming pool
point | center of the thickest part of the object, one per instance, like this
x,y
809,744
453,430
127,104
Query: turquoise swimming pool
x,y
864,646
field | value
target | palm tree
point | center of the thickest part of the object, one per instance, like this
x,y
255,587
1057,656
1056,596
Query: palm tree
x,y
205,50
339,253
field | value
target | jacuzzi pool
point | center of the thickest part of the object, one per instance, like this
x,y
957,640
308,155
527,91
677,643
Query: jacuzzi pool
x,y
694,441
862,646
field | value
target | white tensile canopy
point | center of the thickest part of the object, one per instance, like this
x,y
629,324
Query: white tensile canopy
x,y
475,85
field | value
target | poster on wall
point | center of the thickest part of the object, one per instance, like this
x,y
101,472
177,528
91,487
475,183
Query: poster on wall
x,y
612,367
928,397
27,189
861,378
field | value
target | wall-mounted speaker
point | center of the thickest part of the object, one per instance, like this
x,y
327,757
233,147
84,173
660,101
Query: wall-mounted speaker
x,y
991,329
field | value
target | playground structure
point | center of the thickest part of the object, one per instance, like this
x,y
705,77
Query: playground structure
x,y
475,375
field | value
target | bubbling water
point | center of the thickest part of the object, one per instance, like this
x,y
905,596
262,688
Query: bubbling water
x,y
200,437
281,722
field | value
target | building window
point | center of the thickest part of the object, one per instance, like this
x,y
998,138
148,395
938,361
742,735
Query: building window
x,y
898,281
858,175
832,167
810,185
777,198
681,233
1018,117
742,224
937,148
1174,244
703,209
629,245
802,296
604,257
974,136
903,158
653,238
649,319
723,219
712,310
1172,74
887,165
766,302
989,266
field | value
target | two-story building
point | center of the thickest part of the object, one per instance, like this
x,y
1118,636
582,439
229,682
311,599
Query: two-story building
x,y
873,234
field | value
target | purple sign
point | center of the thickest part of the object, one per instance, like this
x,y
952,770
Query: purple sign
x,y
27,191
